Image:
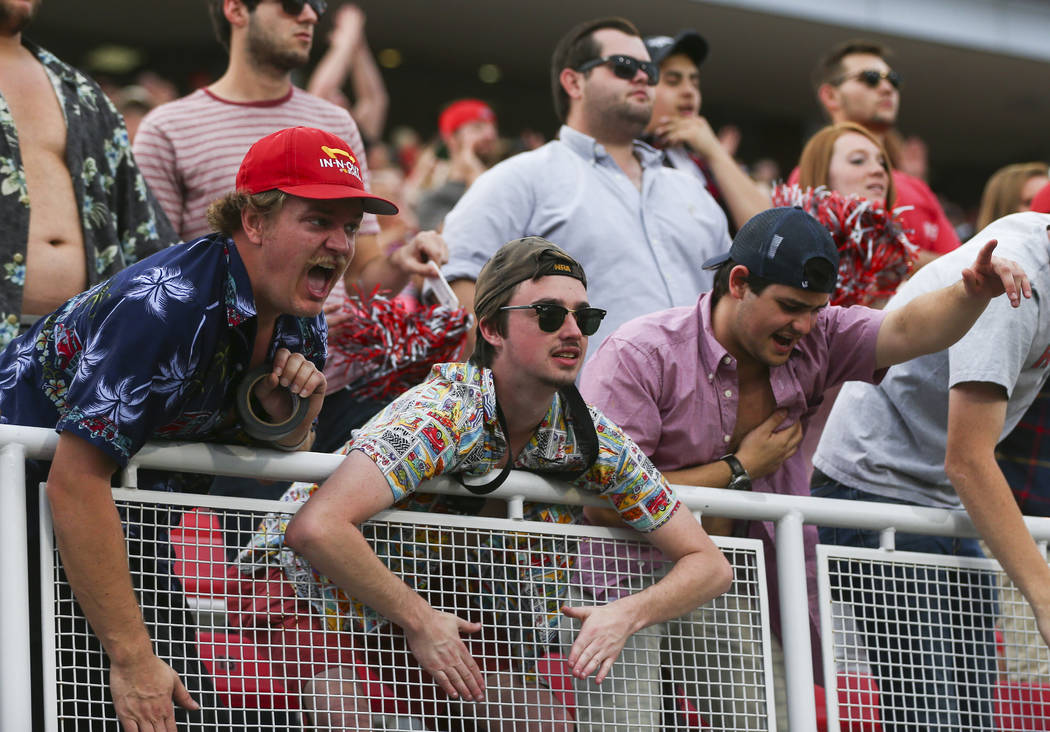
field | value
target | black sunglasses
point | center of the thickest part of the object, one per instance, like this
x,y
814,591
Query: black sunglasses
x,y
551,316
625,67
872,78
295,7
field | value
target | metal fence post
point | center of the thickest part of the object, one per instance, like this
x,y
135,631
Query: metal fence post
x,y
794,622
16,713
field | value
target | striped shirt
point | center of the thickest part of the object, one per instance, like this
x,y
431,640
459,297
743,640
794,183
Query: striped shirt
x,y
189,150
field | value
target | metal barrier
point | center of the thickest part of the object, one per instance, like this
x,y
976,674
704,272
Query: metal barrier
x,y
789,514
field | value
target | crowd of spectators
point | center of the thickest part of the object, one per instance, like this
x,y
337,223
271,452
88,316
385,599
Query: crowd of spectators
x,y
718,362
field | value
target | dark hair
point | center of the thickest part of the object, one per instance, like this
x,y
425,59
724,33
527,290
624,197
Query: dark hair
x,y
829,68
220,24
818,271
576,47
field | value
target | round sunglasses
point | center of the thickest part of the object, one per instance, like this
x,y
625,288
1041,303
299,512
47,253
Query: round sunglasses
x,y
551,316
872,78
625,67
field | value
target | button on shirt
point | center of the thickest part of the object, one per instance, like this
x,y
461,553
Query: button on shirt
x,y
642,250
650,377
156,351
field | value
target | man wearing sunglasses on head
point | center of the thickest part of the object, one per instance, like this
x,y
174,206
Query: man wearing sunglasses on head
x,y
513,405
598,190
854,83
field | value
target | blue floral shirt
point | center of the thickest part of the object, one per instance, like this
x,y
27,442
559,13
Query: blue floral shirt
x,y
120,219
154,352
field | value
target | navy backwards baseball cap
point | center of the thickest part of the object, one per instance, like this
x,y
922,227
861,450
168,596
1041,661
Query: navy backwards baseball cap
x,y
689,42
777,244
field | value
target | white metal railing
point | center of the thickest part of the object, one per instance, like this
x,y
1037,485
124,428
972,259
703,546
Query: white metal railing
x,y
789,513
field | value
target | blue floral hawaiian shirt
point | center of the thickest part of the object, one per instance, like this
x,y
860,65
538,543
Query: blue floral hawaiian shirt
x,y
154,352
120,219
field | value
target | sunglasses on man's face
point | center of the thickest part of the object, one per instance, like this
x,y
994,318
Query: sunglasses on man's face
x,y
295,7
873,78
551,317
625,67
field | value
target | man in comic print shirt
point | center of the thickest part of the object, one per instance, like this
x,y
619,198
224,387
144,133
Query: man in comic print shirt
x,y
513,405
157,352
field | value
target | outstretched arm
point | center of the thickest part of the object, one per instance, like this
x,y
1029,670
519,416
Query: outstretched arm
x,y
936,320
91,543
976,414
325,532
700,573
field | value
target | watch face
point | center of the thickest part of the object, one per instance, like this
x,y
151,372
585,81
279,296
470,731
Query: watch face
x,y
740,483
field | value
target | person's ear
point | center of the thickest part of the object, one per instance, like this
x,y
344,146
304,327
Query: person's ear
x,y
488,330
829,98
253,222
738,286
572,82
236,12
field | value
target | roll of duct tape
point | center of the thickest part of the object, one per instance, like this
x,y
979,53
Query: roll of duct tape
x,y
253,422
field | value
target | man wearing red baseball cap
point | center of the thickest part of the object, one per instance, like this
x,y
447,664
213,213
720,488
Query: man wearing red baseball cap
x,y
468,130
158,352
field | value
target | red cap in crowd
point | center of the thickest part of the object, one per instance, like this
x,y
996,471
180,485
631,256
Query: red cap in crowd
x,y
308,163
1041,200
463,112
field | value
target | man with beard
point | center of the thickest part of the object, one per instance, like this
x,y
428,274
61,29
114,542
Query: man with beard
x,y
189,149
638,227
158,352
854,83
73,203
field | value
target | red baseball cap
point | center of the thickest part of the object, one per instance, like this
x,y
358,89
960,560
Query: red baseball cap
x,y
308,163
461,112
1041,200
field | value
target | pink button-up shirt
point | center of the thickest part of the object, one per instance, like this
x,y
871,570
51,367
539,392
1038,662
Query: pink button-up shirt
x,y
672,387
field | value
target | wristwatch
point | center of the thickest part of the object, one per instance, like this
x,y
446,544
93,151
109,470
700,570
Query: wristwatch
x,y
740,480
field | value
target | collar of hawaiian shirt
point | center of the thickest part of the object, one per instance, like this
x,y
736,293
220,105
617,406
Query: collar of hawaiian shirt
x,y
240,303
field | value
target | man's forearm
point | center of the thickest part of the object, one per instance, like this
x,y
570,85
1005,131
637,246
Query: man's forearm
x,y
928,324
694,580
91,544
988,500
342,554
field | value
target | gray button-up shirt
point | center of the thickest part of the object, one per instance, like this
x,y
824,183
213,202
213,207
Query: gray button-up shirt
x,y
642,250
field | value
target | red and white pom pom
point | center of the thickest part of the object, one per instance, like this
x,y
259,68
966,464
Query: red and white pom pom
x,y
386,348
874,252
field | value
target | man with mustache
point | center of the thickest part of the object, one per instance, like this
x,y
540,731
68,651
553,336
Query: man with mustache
x,y
718,394
158,352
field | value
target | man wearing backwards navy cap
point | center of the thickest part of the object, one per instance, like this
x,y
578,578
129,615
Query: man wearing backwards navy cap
x,y
718,394
157,352
685,137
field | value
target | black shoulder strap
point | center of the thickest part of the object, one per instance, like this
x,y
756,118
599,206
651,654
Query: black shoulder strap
x,y
583,426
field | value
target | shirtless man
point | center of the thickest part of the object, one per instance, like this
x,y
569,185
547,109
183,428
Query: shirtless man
x,y
45,167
